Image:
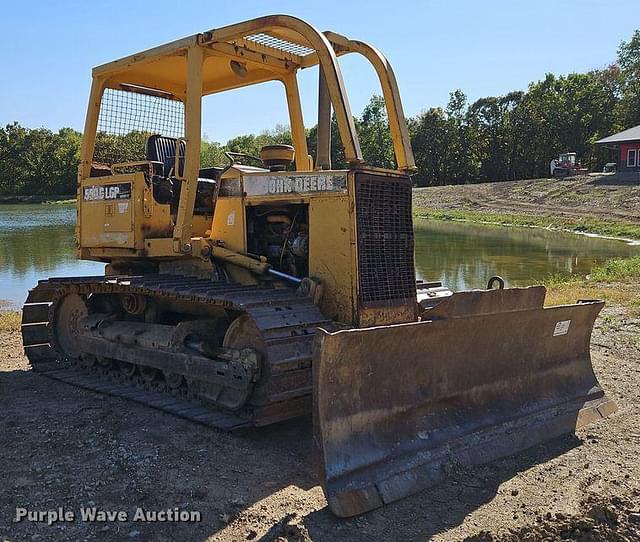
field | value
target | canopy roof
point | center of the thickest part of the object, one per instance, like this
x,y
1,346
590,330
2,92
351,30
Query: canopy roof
x,y
235,56
632,134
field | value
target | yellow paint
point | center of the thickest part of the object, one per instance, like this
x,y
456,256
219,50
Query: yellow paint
x,y
229,224
332,254
193,114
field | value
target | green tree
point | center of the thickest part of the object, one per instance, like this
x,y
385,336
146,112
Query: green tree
x,y
493,126
374,135
251,144
431,137
212,154
442,145
114,149
566,113
38,161
629,62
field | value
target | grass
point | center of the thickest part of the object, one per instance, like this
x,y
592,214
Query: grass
x,y
619,269
570,292
623,270
616,281
628,230
10,320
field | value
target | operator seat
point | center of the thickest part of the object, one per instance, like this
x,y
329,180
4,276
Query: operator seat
x,y
166,189
163,149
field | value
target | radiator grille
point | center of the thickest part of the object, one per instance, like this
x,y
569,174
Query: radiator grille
x,y
385,239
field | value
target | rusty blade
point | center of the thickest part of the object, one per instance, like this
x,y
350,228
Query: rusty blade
x,y
394,405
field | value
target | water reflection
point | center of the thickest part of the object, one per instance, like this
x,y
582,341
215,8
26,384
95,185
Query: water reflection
x,y
464,255
37,241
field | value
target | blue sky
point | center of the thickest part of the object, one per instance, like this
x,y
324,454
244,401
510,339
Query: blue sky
x,y
489,47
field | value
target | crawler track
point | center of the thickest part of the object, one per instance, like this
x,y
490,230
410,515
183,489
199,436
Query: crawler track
x,y
286,321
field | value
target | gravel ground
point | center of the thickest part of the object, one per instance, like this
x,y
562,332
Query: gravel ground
x,y
65,447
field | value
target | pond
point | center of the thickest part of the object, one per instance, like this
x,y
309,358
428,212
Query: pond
x,y
37,241
463,255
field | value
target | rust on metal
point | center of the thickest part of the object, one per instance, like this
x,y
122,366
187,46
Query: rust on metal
x,y
393,405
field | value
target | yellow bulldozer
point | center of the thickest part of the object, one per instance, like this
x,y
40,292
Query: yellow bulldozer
x,y
250,292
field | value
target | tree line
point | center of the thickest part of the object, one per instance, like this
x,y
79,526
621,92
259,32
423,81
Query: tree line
x,y
507,137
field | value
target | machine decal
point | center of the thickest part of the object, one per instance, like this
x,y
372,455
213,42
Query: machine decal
x,y
266,185
107,192
562,328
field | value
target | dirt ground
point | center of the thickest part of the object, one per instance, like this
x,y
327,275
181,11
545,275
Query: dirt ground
x,y
599,196
65,447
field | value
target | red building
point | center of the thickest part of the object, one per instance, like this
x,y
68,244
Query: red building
x,y
626,144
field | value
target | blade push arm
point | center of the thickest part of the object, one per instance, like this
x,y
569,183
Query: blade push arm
x,y
258,267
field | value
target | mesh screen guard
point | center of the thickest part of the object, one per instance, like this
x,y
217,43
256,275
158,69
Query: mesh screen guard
x,y
128,118
385,240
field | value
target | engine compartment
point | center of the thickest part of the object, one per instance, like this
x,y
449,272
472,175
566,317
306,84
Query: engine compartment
x,y
281,234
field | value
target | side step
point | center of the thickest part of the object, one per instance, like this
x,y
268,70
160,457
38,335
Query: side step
x,y
160,401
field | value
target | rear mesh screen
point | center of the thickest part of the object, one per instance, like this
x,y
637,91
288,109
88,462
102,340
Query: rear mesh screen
x,y
385,239
127,119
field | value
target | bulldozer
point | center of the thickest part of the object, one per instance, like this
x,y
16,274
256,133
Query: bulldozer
x,y
269,287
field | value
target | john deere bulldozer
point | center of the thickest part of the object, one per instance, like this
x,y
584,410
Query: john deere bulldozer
x,y
268,287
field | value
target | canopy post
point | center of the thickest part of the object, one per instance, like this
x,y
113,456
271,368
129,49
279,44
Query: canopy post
x,y
323,134
193,129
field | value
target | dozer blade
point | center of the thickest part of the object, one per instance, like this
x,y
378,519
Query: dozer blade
x,y
492,374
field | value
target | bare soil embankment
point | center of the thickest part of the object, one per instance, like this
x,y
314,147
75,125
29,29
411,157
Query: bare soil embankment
x,y
588,198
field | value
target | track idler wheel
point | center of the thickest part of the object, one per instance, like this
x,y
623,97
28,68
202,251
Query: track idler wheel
x,y
69,312
244,333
